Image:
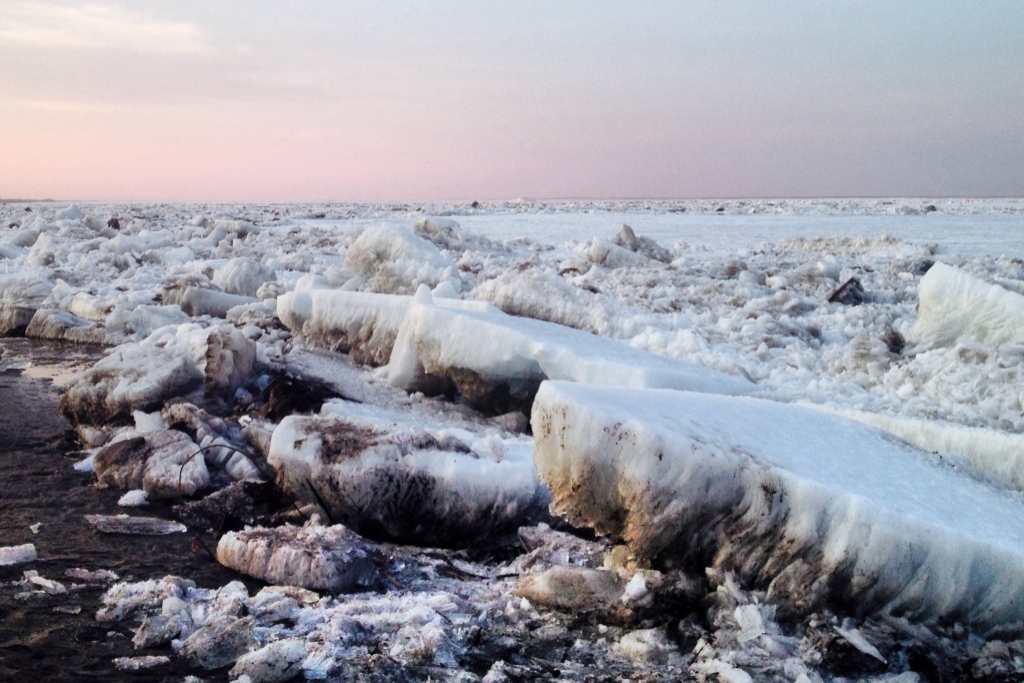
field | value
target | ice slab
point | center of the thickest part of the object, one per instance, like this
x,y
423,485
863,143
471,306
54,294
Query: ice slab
x,y
132,377
953,304
17,554
486,352
315,557
815,506
387,476
140,526
990,453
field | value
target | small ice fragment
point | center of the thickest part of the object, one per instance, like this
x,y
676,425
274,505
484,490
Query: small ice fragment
x,y
148,422
86,464
86,575
636,589
68,609
143,526
45,584
133,499
854,637
748,617
139,663
35,527
16,554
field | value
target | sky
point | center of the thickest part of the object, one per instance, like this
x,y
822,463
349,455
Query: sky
x,y
278,101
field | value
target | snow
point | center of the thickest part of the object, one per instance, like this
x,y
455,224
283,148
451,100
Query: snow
x,y
795,490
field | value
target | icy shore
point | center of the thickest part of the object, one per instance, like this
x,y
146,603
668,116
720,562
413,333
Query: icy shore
x,y
294,368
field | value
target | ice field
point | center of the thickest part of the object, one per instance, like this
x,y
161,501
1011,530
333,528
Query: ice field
x,y
800,419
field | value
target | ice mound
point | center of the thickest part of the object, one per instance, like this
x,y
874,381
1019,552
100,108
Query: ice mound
x,y
133,377
628,239
496,361
320,558
814,506
953,304
242,276
387,477
398,261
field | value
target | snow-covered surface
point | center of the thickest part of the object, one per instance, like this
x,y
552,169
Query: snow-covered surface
x,y
774,490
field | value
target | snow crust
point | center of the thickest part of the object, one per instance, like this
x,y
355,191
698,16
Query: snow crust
x,y
787,496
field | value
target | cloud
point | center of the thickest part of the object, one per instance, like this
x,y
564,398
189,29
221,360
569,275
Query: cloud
x,y
96,26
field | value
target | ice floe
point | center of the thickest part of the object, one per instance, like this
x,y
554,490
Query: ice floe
x,y
817,507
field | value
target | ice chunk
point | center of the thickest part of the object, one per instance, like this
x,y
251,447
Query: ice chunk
x,y
362,324
626,238
857,639
17,554
145,318
70,213
397,260
219,643
953,304
55,324
609,255
133,499
648,645
146,240
315,557
229,358
20,296
89,306
132,377
148,422
242,276
496,361
140,663
813,505
571,588
402,482
165,463
278,661
141,526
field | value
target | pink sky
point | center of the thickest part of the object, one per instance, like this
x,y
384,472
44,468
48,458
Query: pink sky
x,y
276,101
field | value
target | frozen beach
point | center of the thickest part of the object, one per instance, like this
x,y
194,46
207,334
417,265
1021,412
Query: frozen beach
x,y
711,439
